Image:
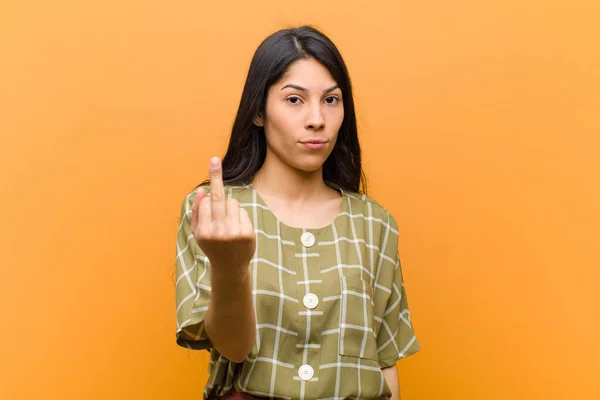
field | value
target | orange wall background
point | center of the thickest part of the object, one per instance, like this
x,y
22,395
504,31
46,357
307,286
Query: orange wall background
x,y
480,128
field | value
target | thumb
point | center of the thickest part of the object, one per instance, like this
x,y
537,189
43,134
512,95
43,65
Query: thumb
x,y
200,194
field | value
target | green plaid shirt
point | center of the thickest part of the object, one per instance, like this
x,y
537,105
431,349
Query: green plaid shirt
x,y
330,304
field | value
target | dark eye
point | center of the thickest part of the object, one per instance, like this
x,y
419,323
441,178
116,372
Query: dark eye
x,y
332,100
293,100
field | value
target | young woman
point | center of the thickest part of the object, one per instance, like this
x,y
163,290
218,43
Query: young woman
x,y
287,272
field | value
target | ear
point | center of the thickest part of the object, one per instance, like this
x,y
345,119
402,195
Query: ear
x,y
258,120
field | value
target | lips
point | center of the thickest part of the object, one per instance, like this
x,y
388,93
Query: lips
x,y
314,144
314,141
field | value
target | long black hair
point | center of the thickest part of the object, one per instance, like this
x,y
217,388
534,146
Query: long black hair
x,y
247,145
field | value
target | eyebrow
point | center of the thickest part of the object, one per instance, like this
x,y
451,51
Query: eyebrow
x,y
291,85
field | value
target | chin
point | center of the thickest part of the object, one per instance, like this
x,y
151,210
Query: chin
x,y
309,166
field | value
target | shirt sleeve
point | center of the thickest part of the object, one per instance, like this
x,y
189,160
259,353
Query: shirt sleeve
x,y
192,285
396,338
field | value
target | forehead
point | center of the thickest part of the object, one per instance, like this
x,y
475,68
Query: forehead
x,y
307,73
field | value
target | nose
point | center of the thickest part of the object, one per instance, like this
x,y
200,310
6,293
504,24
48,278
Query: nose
x,y
315,120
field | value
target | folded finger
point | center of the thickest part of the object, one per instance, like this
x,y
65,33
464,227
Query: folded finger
x,y
233,217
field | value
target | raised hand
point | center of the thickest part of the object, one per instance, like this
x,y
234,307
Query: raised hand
x,y
221,228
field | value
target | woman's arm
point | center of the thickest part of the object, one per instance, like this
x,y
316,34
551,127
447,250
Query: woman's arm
x,y
230,320
391,377
224,232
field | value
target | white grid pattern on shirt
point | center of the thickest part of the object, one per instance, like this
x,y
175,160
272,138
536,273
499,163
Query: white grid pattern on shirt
x,y
340,271
254,285
280,311
371,249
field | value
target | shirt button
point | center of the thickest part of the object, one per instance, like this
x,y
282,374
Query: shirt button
x,y
306,372
308,239
310,300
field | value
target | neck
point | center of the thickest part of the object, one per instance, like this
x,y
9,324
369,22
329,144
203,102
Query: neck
x,y
276,179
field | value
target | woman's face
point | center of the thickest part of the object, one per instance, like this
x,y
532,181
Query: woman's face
x,y
304,113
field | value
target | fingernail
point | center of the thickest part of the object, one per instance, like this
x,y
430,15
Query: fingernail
x,y
214,162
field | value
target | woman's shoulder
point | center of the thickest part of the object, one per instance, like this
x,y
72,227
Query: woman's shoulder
x,y
370,206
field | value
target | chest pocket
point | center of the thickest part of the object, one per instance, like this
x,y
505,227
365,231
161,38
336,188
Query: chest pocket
x,y
357,338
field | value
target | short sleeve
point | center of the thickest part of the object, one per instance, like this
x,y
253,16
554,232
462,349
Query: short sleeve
x,y
396,338
192,285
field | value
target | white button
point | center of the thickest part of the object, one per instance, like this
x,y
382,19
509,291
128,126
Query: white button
x,y
308,239
310,300
306,372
